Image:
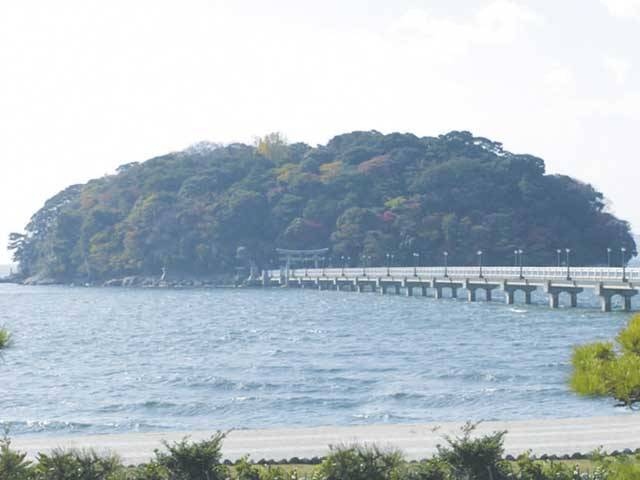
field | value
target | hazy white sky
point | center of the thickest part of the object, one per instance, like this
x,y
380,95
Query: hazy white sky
x,y
88,85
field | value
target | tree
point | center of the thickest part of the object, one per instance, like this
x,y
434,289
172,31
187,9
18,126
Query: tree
x,y
363,193
605,369
273,146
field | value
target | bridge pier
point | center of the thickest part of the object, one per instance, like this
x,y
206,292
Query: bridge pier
x,y
424,291
511,289
554,291
473,286
439,287
471,295
606,295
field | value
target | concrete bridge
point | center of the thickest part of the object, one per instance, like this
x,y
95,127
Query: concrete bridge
x,y
606,283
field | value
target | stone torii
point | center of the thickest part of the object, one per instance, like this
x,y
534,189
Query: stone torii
x,y
290,256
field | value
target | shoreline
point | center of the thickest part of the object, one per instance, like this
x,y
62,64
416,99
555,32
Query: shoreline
x,y
549,436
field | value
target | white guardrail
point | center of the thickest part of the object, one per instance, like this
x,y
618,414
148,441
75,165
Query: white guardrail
x,y
594,274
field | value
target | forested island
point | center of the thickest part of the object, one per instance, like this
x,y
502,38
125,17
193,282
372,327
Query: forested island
x,y
212,208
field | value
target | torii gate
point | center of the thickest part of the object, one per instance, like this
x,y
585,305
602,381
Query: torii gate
x,y
300,255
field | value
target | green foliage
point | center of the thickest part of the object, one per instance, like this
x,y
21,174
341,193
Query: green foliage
x,y
362,193
361,462
13,465
5,338
245,470
76,465
185,460
601,370
477,458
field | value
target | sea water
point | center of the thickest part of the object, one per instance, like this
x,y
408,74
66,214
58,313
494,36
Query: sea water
x,y
98,360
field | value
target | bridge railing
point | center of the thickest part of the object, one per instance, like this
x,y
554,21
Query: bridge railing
x,y
534,273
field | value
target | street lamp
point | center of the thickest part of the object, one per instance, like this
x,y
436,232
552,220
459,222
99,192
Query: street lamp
x,y
624,264
322,259
388,255
416,259
608,257
558,251
568,251
520,252
343,264
480,261
446,263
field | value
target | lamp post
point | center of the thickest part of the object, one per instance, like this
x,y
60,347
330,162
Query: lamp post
x,y
480,261
558,252
608,257
568,251
416,260
343,264
388,255
322,259
515,258
446,263
624,263
520,252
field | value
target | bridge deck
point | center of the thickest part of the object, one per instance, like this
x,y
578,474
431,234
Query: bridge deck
x,y
605,282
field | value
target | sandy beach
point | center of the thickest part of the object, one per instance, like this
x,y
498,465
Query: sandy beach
x,y
565,436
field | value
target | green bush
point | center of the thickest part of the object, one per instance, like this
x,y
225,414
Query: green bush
x,y
13,465
476,458
76,465
361,462
246,471
434,469
5,338
186,460
599,369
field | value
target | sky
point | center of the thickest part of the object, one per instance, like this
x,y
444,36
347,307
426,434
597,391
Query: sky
x,y
86,85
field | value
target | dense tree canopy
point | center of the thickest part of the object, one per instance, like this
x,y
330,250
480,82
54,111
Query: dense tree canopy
x,y
364,193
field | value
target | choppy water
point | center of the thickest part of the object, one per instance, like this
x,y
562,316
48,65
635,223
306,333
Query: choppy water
x,y
115,360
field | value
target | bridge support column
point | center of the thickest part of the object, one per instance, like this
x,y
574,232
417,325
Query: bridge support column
x,y
574,299
527,297
509,296
454,292
424,291
488,294
605,302
554,292
471,294
627,303
360,288
606,294
554,299
438,292
383,289
409,291
397,289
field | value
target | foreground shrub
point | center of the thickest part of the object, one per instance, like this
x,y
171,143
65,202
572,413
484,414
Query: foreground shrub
x,y
76,465
475,458
186,460
434,469
5,338
601,369
361,462
13,465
